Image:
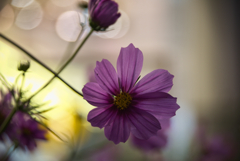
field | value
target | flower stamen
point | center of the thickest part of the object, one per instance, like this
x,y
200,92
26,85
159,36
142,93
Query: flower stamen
x,y
123,100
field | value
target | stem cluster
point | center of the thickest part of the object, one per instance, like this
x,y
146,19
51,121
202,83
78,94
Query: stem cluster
x,y
18,100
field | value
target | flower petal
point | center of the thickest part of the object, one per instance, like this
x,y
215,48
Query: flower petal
x,y
119,130
158,80
40,134
155,142
144,125
99,117
31,145
92,3
96,96
129,66
106,77
160,104
106,13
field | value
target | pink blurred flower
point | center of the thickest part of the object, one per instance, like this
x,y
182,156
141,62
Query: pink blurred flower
x,y
216,149
155,142
5,109
27,131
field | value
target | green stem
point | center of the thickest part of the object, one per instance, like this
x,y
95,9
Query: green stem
x,y
20,89
84,153
14,110
7,120
70,46
61,69
16,80
23,81
4,81
41,63
10,151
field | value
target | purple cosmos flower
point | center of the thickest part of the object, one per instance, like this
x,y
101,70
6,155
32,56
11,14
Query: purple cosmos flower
x,y
27,131
103,13
124,106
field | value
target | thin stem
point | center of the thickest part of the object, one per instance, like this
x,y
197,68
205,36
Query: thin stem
x,y
75,53
77,145
14,110
3,79
23,81
16,80
7,120
10,151
21,87
70,46
91,149
4,83
61,69
41,63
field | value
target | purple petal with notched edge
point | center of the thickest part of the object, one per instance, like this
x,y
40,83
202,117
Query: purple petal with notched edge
x,y
160,104
106,77
143,124
96,96
119,130
158,80
129,66
99,117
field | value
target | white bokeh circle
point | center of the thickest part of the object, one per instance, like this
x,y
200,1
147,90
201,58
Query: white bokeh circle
x,y
30,17
68,26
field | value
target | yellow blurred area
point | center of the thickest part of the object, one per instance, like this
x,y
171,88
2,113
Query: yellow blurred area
x,y
68,116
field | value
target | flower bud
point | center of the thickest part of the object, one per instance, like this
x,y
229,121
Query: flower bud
x,y
103,13
23,66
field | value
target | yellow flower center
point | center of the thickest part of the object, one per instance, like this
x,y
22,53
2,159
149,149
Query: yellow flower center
x,y
123,100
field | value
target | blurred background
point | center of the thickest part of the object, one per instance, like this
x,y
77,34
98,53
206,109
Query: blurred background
x,y
195,40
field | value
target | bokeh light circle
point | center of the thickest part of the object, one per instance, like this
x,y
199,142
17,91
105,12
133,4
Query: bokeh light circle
x,y
68,25
30,17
